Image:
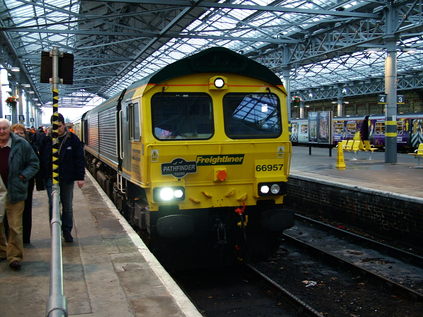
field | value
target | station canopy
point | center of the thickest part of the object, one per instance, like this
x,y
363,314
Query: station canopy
x,y
114,43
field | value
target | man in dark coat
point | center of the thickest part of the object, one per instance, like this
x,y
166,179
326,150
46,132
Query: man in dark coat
x,y
71,169
364,129
18,164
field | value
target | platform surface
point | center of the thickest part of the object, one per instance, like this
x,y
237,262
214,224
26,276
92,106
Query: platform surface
x,y
108,271
402,178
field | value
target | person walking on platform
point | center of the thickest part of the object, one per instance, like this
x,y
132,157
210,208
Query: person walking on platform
x,y
3,193
18,164
364,129
19,129
71,169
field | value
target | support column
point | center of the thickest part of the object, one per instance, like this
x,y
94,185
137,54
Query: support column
x,y
285,74
20,103
27,113
339,108
339,102
391,85
1,95
38,117
391,106
13,107
301,109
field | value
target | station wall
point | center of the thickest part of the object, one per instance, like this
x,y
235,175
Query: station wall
x,y
380,214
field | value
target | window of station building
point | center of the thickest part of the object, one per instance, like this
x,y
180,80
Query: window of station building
x,y
133,117
252,116
182,116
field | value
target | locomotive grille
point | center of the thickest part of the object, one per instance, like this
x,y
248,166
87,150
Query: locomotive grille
x,y
108,134
93,131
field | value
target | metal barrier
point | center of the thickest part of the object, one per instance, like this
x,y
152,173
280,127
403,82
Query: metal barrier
x,y
56,306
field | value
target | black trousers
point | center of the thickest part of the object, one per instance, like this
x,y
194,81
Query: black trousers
x,y
27,213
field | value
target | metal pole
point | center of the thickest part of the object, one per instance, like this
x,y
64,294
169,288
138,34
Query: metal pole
x,y
391,15
57,306
1,95
27,108
285,73
391,108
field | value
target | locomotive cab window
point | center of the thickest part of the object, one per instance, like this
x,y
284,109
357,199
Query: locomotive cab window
x,y
182,116
252,116
133,118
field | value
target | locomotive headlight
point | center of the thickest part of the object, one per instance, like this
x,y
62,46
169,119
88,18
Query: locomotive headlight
x,y
272,189
264,189
166,194
178,193
219,82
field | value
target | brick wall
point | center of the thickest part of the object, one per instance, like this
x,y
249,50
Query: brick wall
x,y
376,212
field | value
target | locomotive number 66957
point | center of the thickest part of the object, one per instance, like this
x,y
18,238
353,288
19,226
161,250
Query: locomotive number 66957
x,y
196,156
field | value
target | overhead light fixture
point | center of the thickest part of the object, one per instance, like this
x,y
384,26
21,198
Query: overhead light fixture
x,y
15,69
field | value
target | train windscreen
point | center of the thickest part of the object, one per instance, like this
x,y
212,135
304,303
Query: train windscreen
x,y
252,116
182,116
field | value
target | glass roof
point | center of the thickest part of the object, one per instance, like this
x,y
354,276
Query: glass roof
x,y
115,43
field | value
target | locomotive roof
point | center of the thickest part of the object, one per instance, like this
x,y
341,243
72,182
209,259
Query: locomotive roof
x,y
212,60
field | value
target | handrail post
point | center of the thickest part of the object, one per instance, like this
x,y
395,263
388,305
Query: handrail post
x,y
56,306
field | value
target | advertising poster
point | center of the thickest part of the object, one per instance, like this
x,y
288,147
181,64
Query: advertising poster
x,y
312,127
324,135
320,127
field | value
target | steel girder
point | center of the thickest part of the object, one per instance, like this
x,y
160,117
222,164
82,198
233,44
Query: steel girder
x,y
116,42
369,86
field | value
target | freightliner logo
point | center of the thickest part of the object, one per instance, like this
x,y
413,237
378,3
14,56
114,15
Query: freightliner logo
x,y
230,159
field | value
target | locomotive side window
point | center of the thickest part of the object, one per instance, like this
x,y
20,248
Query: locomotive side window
x,y
252,116
134,121
186,116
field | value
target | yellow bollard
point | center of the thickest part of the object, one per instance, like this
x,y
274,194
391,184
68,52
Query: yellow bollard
x,y
340,163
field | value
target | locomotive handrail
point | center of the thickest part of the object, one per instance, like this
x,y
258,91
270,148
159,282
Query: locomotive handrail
x,y
121,153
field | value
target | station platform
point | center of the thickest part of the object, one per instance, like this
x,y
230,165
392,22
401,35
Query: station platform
x,y
382,200
402,178
108,271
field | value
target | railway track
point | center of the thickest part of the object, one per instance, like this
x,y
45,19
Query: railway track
x,y
241,291
303,308
342,274
400,270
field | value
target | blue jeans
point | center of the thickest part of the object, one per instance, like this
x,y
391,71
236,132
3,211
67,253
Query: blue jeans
x,y
66,197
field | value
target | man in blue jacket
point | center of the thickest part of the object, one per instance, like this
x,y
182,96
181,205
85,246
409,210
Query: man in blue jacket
x,y
18,164
71,169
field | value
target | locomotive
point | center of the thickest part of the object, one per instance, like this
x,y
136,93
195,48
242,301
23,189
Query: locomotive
x,y
196,157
